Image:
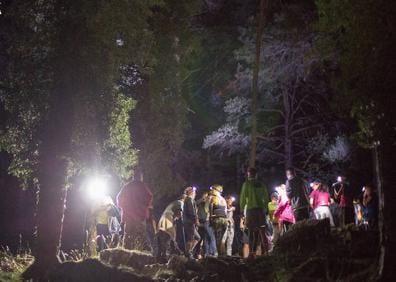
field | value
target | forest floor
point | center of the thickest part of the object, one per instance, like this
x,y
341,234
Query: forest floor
x,y
310,251
12,266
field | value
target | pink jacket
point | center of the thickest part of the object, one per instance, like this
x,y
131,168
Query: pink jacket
x,y
284,212
134,199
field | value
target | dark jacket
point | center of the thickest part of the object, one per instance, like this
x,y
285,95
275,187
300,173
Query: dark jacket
x,y
203,210
297,193
190,210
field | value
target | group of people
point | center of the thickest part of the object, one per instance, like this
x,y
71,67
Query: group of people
x,y
202,228
207,226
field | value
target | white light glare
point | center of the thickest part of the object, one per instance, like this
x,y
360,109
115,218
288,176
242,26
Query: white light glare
x,y
96,188
339,179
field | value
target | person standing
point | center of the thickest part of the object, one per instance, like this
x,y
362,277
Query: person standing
x,y
135,199
254,198
218,216
297,193
190,220
180,236
370,207
320,201
167,230
284,211
343,196
204,229
273,221
228,237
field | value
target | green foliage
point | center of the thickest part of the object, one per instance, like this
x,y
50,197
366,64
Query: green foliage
x,y
80,44
163,109
359,36
119,156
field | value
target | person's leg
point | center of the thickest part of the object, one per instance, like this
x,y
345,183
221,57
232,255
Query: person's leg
x,y
317,213
263,241
224,238
211,240
220,233
162,245
201,248
253,240
245,250
196,239
286,226
252,222
191,238
275,235
230,240
135,236
245,244
342,217
327,214
180,236
128,231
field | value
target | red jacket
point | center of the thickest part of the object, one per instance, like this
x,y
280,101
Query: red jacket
x,y
135,199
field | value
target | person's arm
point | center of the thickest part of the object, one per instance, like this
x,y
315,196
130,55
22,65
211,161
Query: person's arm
x,y
305,190
211,209
265,197
311,199
289,190
242,200
195,213
187,208
311,202
148,196
366,200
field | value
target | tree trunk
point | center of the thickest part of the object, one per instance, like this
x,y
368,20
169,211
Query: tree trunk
x,y
378,180
90,243
383,158
52,180
288,143
256,70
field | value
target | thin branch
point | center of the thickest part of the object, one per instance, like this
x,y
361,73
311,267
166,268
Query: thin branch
x,y
268,138
274,152
273,111
305,129
299,105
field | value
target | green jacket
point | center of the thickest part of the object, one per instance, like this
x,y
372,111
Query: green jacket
x,y
253,195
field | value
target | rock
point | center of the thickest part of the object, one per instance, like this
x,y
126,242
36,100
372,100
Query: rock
x,y
304,237
177,264
93,270
152,269
164,274
132,258
194,266
228,268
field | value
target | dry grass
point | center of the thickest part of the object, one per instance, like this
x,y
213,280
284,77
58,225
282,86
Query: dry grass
x,y
11,266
